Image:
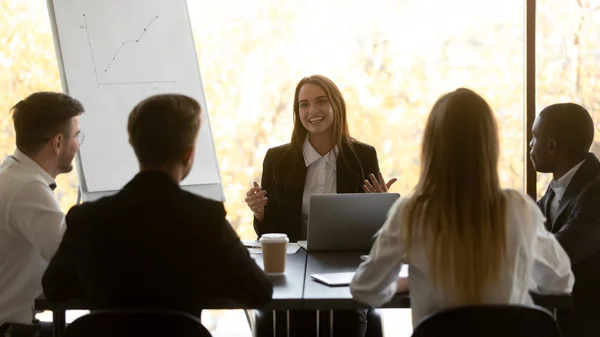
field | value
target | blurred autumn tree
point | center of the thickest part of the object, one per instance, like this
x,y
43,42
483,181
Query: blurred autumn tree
x,y
392,59
27,64
569,59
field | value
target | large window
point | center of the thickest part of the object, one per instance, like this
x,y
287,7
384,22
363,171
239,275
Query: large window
x,y
392,60
27,64
568,59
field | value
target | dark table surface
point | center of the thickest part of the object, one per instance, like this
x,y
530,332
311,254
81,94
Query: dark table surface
x,y
321,296
287,289
297,290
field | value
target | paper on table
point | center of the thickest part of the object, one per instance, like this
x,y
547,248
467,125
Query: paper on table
x,y
253,247
292,248
344,278
251,243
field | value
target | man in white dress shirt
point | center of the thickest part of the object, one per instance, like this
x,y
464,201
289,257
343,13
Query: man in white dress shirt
x,y
31,221
562,136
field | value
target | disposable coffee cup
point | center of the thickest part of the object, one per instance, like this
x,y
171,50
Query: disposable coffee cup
x,y
274,248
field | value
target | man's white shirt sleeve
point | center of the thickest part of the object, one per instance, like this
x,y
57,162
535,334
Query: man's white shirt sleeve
x,y
551,271
36,215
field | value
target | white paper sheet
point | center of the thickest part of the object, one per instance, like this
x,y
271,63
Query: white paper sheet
x,y
253,247
116,53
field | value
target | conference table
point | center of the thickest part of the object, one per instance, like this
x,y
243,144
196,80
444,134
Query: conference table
x,y
296,290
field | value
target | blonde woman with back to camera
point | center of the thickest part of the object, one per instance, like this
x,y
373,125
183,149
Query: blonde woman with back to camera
x,y
466,240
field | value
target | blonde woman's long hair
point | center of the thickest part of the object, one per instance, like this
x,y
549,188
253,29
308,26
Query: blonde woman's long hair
x,y
458,208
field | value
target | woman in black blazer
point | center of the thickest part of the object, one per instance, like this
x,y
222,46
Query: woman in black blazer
x,y
284,177
320,126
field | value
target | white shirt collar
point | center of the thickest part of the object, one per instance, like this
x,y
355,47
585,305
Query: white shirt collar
x,y
24,159
560,186
311,155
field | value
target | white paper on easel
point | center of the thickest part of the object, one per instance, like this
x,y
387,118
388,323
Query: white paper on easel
x,y
116,53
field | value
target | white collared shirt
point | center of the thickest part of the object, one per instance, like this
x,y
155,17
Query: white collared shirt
x,y
31,228
320,177
559,187
534,261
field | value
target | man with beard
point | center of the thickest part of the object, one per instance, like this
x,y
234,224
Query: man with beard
x,y
31,220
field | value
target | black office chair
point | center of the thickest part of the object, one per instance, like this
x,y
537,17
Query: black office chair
x,y
136,323
489,321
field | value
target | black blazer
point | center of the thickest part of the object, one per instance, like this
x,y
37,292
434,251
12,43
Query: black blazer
x,y
153,245
283,212
577,228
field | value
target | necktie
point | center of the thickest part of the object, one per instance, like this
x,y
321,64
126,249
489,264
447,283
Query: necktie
x,y
550,212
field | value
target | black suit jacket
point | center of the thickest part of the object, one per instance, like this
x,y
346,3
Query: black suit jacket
x,y
283,212
153,245
577,228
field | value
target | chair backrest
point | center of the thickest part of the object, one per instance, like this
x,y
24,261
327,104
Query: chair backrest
x,y
489,321
136,323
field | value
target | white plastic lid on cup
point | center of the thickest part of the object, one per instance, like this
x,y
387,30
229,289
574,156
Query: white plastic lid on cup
x,y
274,238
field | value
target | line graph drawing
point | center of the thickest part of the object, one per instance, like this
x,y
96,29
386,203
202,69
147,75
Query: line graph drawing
x,y
129,41
90,44
114,57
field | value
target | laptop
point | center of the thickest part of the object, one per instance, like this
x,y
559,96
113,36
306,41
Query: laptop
x,y
346,222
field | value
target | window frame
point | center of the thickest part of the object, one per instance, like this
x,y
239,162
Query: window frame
x,y
530,175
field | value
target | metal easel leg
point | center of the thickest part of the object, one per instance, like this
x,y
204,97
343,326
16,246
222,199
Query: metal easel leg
x,y
318,332
288,322
330,323
274,323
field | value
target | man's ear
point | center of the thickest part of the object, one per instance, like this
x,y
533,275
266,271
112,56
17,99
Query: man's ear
x,y
57,142
552,146
188,155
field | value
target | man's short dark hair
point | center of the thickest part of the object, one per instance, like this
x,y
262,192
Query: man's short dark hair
x,y
41,116
569,124
162,127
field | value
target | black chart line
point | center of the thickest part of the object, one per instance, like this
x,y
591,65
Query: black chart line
x,y
130,41
98,83
90,44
